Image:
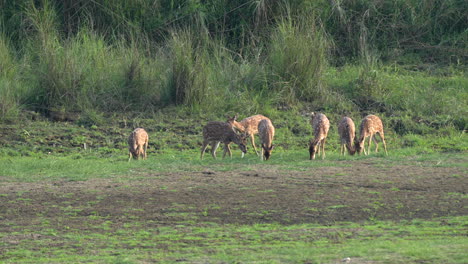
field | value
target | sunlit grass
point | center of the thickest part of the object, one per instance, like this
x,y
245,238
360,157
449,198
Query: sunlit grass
x,y
404,242
192,240
84,167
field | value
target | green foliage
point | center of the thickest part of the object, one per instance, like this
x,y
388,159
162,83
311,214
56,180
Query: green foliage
x,y
9,105
394,28
297,58
78,61
190,68
430,28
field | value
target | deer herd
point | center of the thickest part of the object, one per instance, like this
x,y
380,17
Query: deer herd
x,y
237,132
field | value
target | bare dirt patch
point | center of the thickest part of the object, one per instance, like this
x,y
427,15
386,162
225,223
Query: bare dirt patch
x,y
323,195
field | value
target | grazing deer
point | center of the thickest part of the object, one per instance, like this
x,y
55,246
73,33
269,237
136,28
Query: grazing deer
x,y
248,125
370,125
137,144
320,125
216,132
266,131
347,131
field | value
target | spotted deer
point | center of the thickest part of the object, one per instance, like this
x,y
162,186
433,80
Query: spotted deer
x,y
137,144
320,125
248,125
347,132
370,125
266,131
215,133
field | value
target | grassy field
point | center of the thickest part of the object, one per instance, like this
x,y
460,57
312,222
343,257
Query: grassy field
x,y
174,207
76,77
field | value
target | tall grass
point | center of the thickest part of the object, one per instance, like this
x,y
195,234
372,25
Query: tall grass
x,y
9,105
297,58
433,29
189,68
85,72
428,28
113,56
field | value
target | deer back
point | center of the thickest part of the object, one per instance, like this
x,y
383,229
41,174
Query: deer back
x,y
220,131
346,130
247,125
370,125
266,131
320,125
138,137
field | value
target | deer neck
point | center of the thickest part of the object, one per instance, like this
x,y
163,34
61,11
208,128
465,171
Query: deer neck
x,y
238,126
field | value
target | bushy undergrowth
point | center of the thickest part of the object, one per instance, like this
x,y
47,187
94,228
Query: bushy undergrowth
x,y
83,61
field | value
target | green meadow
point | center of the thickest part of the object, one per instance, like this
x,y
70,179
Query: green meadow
x,y
76,77
60,209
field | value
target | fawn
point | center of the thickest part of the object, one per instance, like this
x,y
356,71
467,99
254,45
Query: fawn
x,y
347,131
137,144
266,131
320,125
370,125
248,125
216,132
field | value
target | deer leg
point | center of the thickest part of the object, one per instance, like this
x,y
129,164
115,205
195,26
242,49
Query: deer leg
x,y
323,147
252,139
129,156
262,153
318,148
138,152
364,145
214,147
369,143
227,149
146,147
224,151
205,145
384,145
376,144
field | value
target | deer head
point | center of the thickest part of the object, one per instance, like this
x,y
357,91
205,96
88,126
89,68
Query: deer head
x,y
358,147
242,142
267,151
313,148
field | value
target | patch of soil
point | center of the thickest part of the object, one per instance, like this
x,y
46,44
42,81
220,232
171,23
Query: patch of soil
x,y
323,195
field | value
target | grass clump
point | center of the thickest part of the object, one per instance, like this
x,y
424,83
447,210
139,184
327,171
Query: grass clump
x,y
297,58
190,69
10,86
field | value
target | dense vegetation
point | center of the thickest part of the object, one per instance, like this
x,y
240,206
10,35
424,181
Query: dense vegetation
x,y
405,60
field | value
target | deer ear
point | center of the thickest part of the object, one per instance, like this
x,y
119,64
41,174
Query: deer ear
x,y
272,146
235,117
